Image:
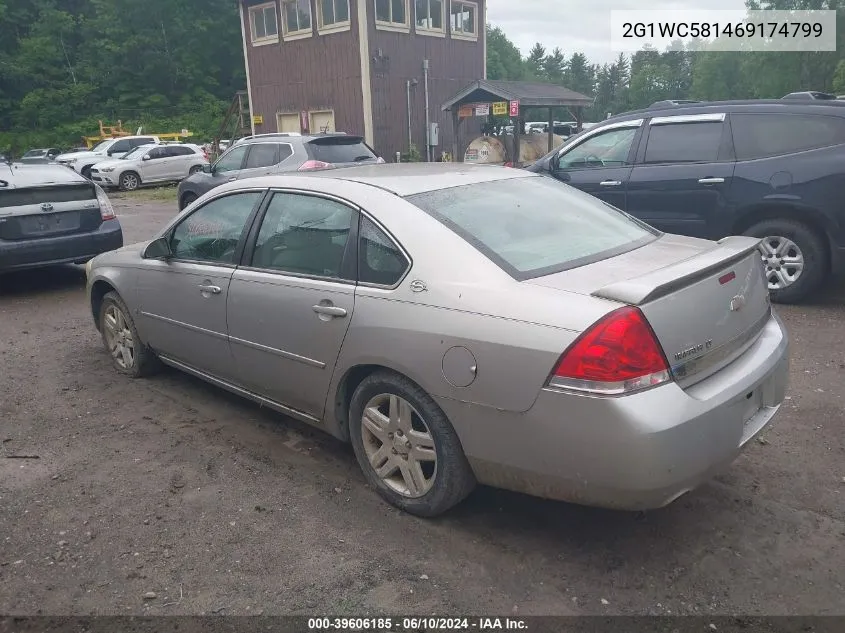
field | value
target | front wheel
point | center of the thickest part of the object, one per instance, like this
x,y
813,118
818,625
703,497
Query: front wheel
x,y
194,170
406,446
129,181
129,354
795,258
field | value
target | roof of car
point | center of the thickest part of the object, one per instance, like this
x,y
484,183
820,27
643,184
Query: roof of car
x,y
407,179
18,176
662,108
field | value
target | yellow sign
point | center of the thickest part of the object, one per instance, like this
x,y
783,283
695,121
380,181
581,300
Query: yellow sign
x,y
500,108
258,119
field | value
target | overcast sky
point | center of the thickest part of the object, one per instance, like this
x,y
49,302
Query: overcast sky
x,y
577,25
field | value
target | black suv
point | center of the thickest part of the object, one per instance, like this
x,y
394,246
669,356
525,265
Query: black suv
x,y
768,169
265,154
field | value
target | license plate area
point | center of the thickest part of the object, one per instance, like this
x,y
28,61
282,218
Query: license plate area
x,y
48,224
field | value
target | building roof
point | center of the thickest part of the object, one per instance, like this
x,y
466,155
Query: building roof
x,y
526,92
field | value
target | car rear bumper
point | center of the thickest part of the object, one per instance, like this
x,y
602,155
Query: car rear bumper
x,y
18,254
635,452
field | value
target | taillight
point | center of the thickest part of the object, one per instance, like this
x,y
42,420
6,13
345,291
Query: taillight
x,y
617,355
106,208
315,164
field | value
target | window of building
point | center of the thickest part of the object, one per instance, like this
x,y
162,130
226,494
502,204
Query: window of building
x,y
264,24
763,135
296,18
464,19
684,143
392,15
429,17
333,15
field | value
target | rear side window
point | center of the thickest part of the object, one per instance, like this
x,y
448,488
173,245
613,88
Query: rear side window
x,y
146,140
534,226
180,150
340,150
285,152
261,155
380,261
684,143
762,135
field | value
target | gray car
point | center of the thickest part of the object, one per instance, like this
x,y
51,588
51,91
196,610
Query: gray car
x,y
267,154
461,324
51,215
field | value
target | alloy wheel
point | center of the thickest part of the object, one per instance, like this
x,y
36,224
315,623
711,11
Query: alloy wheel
x,y
784,261
130,182
399,445
119,339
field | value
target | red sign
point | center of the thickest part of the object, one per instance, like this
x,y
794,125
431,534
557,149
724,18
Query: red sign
x,y
514,108
303,120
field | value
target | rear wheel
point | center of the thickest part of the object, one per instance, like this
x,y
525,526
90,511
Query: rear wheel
x,y
406,446
195,169
129,354
186,199
130,181
795,258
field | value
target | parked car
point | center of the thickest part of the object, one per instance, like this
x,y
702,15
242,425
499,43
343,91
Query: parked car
x,y
149,164
273,153
40,156
461,324
774,170
50,215
82,162
810,95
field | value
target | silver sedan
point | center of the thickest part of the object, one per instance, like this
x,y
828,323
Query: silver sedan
x,y
461,324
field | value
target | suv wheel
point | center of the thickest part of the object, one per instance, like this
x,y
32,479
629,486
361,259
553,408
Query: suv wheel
x,y
795,258
86,172
186,199
129,181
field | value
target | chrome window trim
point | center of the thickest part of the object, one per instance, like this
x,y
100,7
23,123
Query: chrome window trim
x,y
633,123
710,117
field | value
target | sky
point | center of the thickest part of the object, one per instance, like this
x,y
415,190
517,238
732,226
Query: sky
x,y
577,25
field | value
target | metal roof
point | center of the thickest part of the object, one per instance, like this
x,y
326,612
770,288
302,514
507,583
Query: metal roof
x,y
528,94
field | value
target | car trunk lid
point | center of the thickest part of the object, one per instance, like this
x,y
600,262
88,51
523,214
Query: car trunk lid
x,y
48,211
706,302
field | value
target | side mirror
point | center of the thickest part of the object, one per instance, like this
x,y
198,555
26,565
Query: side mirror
x,y
208,168
159,248
146,157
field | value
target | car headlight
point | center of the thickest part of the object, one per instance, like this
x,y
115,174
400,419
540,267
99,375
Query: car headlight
x,y
106,169
71,161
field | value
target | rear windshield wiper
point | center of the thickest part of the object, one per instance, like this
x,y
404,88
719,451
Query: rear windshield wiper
x,y
360,158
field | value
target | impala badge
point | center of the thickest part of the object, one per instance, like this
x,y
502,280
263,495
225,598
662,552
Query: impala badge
x,y
418,286
738,303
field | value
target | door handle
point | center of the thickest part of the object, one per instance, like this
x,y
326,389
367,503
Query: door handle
x,y
329,310
215,290
233,179
711,181
610,183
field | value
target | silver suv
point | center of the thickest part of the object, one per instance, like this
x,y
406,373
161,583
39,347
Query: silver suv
x,y
149,164
266,154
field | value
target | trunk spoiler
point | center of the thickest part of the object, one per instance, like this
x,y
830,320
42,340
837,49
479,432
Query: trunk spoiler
x,y
664,281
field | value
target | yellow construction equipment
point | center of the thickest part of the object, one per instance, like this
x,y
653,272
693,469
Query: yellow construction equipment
x,y
116,131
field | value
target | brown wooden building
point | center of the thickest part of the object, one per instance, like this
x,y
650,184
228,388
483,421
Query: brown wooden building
x,y
349,66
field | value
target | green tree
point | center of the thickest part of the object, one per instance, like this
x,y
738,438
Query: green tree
x,y
504,61
554,66
536,58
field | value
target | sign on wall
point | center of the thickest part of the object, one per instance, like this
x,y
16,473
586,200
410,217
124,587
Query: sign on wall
x,y
514,108
303,120
466,111
482,109
258,119
500,108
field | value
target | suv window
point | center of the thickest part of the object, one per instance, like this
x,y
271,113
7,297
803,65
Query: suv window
x,y
144,140
157,152
212,232
607,149
305,235
379,260
121,146
285,152
231,160
534,226
179,150
261,155
684,142
340,149
762,135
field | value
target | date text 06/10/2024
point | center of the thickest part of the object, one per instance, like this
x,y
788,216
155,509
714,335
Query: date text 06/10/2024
x,y
416,624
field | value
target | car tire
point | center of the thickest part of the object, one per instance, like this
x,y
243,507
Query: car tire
x,y
193,170
786,241
129,181
186,199
116,325
423,431
86,172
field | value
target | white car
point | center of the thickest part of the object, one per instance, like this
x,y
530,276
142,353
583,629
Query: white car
x,y
150,164
81,162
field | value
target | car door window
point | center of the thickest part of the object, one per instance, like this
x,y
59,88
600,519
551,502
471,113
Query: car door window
x,y
684,143
231,160
157,153
261,155
121,147
763,135
212,232
304,235
380,261
610,149
285,152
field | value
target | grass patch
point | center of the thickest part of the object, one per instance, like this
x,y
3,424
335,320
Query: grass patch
x,y
166,193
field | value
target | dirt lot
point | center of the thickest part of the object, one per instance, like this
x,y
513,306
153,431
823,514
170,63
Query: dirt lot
x,y
170,486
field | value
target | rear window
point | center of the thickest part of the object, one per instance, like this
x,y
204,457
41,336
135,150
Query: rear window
x,y
684,143
340,150
762,135
535,226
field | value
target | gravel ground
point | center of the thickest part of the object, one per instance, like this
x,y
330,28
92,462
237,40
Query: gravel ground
x,y
167,496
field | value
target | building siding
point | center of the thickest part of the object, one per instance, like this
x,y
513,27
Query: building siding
x,y
321,72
